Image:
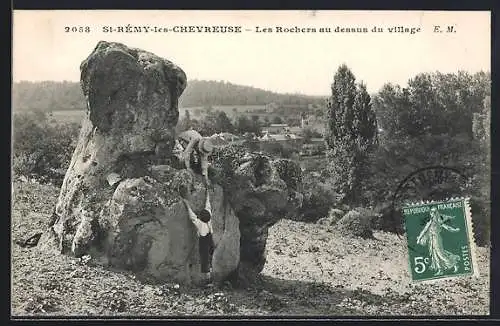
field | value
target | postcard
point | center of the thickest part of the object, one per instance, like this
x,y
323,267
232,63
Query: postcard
x,y
238,164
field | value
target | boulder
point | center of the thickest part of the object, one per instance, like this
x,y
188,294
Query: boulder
x,y
132,109
259,191
146,229
120,200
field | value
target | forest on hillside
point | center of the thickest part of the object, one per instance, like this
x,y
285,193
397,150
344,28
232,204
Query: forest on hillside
x,y
53,96
201,92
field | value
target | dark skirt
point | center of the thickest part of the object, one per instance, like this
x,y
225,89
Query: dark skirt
x,y
206,246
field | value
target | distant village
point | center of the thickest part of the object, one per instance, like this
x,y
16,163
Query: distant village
x,y
300,131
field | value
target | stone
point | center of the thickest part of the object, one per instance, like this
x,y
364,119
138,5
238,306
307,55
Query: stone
x,y
132,100
120,200
157,237
259,197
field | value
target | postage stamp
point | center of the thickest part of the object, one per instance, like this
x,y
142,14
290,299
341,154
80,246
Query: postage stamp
x,y
440,239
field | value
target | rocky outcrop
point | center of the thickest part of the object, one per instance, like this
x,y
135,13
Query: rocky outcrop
x,y
120,198
131,112
261,191
146,229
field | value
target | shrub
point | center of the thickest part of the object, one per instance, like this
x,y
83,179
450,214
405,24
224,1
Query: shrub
x,y
42,150
334,215
278,149
388,219
311,164
357,222
319,197
289,172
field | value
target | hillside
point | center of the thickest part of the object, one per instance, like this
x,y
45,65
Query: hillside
x,y
201,92
311,270
55,96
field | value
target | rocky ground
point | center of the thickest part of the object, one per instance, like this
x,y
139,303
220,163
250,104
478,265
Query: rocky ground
x,y
311,270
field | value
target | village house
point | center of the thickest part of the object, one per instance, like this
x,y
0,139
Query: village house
x,y
225,138
296,130
285,140
277,128
316,146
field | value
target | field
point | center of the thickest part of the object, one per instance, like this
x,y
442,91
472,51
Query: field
x,y
311,270
77,115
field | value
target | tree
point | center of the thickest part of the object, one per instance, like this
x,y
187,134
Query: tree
x,y
340,107
293,120
256,126
319,113
364,122
216,122
40,148
438,119
224,124
187,123
309,134
209,109
428,103
277,120
389,99
351,133
243,125
481,122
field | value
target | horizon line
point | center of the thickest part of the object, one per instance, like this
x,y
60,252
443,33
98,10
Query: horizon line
x,y
488,71
194,79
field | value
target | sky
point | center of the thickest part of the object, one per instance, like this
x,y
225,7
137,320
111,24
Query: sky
x,y
281,62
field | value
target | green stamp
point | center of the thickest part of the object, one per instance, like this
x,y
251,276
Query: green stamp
x,y
440,240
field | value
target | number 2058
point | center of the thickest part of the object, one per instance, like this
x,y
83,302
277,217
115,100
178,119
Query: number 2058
x,y
77,29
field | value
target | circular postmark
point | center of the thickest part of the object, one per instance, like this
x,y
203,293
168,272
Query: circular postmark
x,y
432,183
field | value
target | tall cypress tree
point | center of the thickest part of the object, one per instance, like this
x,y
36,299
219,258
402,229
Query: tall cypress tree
x,y
351,133
365,121
340,106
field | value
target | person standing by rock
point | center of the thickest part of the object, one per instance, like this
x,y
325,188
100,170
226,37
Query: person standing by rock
x,y
202,222
189,142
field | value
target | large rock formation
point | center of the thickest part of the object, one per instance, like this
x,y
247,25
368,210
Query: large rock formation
x,y
261,191
120,198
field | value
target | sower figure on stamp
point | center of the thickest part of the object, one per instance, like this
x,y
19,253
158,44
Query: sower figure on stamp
x,y
430,236
190,147
202,222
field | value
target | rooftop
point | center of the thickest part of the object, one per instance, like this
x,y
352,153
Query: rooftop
x,y
280,137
